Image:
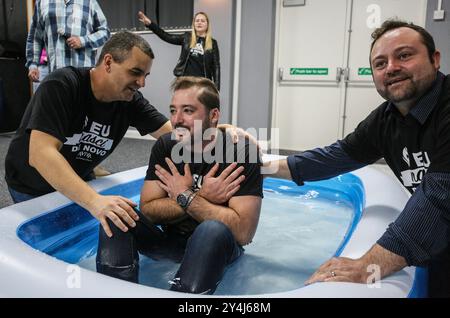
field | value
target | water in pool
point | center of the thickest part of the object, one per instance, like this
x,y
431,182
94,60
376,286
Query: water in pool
x,y
296,233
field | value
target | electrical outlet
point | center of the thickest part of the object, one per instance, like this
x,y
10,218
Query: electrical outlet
x,y
438,15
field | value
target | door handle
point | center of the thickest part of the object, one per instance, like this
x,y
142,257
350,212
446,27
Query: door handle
x,y
339,71
346,72
280,73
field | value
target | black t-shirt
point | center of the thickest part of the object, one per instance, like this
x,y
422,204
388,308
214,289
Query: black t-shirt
x,y
244,153
196,62
410,148
65,107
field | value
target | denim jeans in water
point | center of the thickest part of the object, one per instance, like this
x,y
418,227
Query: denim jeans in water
x,y
204,255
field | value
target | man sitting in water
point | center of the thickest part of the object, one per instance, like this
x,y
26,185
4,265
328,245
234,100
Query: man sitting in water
x,y
204,220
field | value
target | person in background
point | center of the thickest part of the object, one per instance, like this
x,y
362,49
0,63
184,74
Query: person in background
x,y
199,51
42,68
71,31
411,131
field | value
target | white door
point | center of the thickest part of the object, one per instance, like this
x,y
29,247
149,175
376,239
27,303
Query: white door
x,y
310,49
313,105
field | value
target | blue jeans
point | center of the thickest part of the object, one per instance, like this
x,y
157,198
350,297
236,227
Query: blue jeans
x,y
43,72
204,255
20,196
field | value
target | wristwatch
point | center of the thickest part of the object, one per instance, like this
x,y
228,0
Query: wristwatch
x,y
185,198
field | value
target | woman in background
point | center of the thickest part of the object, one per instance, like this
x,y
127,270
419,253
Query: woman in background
x,y
199,51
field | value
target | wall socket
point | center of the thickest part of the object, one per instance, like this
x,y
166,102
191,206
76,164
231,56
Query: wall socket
x,y
438,15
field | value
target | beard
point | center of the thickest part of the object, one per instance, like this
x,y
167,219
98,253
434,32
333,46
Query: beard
x,y
197,135
409,89
409,92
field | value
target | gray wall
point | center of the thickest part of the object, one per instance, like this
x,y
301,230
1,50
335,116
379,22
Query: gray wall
x,y
441,32
158,82
221,14
256,63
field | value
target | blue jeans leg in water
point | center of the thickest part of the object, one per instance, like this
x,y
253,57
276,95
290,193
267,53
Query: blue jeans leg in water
x,y
18,197
210,249
203,256
118,256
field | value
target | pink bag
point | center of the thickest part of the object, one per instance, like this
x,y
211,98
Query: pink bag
x,y
43,60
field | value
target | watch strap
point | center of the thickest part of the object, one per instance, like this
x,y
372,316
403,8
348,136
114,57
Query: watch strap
x,y
190,199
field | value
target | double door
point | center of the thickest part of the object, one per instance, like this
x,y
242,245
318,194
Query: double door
x,y
324,85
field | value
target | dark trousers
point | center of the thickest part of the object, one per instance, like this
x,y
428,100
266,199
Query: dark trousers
x,y
204,255
18,197
439,275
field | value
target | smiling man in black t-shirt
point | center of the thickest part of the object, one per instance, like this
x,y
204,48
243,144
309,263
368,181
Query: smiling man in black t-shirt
x,y
204,219
411,131
75,120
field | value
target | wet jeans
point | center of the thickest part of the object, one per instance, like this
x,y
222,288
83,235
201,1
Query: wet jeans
x,y
204,255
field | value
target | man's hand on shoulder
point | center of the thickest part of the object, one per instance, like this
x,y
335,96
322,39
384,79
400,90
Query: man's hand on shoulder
x,y
236,133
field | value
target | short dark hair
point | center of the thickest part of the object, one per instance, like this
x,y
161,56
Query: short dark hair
x,y
121,44
393,24
208,95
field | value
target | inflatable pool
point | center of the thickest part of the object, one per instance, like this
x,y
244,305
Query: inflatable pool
x,y
46,243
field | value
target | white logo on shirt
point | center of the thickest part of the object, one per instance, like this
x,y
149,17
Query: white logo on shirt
x,y
411,178
91,142
406,156
197,50
197,181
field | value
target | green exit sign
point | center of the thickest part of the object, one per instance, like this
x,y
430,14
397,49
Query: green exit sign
x,y
308,71
363,71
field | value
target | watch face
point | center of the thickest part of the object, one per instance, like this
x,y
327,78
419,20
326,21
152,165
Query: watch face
x,y
182,200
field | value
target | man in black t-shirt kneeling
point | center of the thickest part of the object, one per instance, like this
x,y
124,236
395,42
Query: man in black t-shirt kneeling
x,y
75,120
190,214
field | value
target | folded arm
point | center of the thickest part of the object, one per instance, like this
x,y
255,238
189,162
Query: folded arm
x,y
241,215
158,200
157,206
